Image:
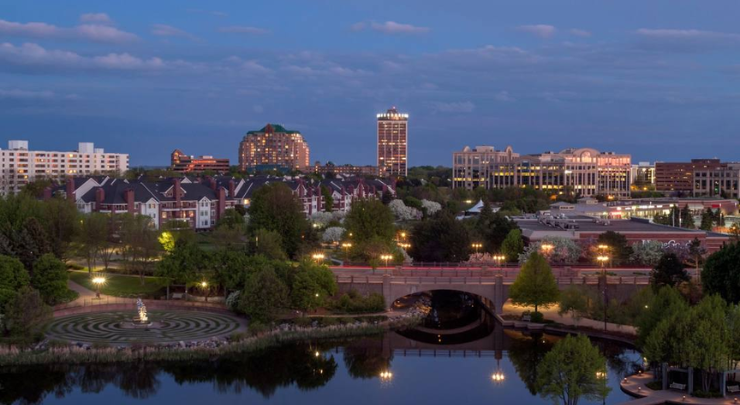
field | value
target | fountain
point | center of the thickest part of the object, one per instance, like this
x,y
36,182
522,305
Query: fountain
x,y
142,320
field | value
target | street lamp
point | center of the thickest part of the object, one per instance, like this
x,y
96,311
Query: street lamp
x,y
319,257
386,375
98,281
602,259
346,246
477,246
547,247
386,258
499,259
204,286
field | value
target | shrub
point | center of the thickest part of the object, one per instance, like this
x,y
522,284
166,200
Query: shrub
x,y
303,322
705,394
354,303
537,317
257,328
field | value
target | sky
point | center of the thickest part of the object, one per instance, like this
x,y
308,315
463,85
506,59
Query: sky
x,y
659,79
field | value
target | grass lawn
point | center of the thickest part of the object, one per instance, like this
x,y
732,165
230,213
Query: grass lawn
x,y
118,285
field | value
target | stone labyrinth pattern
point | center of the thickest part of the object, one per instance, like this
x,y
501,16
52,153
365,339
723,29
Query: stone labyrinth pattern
x,y
175,326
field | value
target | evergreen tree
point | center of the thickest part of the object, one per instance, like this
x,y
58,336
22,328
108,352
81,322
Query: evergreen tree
x,y
535,285
619,249
721,273
707,220
440,239
687,219
668,272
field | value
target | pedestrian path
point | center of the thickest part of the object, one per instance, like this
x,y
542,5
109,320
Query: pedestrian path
x,y
635,385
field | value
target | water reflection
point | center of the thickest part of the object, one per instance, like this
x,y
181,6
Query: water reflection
x,y
469,359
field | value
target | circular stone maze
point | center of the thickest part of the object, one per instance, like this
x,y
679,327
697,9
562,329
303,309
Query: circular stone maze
x,y
172,326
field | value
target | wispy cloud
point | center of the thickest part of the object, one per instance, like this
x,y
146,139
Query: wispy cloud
x,y
34,56
580,33
540,30
87,32
243,29
389,27
164,30
96,18
685,39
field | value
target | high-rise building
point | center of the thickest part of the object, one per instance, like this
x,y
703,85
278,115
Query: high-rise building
x,y
678,177
19,166
393,143
643,176
274,148
187,164
583,172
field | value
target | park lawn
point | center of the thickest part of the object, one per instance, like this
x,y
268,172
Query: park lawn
x,y
119,285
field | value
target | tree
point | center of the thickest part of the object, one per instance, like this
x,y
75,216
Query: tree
x,y
668,272
687,219
666,302
535,285
13,276
50,279
32,243
275,208
619,250
707,220
91,237
647,253
513,245
440,239
333,234
26,313
369,219
697,252
708,343
312,286
573,300
61,220
564,251
230,228
185,264
326,195
721,274
269,244
263,296
140,243
572,370
735,232
386,198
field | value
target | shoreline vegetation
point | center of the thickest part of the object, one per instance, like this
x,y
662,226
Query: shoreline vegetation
x,y
92,354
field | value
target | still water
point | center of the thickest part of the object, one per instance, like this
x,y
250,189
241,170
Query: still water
x,y
424,366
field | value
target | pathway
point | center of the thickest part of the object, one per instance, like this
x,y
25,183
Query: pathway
x,y
635,386
552,314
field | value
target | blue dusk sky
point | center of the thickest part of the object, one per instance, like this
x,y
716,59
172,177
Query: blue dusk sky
x,y
659,79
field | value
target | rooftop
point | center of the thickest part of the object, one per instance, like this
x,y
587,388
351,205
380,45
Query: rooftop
x,y
273,128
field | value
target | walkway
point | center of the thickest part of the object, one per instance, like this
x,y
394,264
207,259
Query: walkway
x,y
552,314
635,386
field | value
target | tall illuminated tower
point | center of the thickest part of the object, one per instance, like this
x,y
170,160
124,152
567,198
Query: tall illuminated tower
x,y
393,143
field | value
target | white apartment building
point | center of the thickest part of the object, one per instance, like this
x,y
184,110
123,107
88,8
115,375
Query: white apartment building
x,y
19,165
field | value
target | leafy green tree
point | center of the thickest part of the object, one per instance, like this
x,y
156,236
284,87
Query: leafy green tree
x,y
61,219
230,229
369,219
268,244
669,272
91,237
275,208
666,302
571,371
535,285
263,296
26,313
185,264
140,245
13,275
513,245
32,243
230,267
573,301
50,279
328,199
721,274
440,239
619,250
708,343
312,286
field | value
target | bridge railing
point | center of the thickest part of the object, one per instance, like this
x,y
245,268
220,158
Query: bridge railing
x,y
580,280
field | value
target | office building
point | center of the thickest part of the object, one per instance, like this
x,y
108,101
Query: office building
x,y
678,177
181,162
581,172
344,170
19,165
393,143
643,176
274,148
717,181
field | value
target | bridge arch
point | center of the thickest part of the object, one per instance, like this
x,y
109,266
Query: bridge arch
x,y
493,292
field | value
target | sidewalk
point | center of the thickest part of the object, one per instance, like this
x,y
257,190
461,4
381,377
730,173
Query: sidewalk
x,y
635,386
552,314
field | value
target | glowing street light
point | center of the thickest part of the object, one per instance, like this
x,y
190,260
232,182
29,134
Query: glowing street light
x,y
319,257
602,259
386,375
477,246
498,377
547,247
204,286
386,258
98,281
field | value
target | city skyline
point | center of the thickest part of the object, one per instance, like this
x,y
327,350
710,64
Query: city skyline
x,y
624,77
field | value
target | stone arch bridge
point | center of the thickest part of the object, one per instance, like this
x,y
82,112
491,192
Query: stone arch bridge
x,y
492,287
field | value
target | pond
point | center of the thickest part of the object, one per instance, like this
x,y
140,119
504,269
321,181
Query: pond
x,y
423,366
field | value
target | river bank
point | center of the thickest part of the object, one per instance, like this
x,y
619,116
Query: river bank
x,y
89,354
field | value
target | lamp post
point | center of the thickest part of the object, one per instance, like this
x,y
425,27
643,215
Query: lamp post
x,y
386,258
602,259
346,246
499,259
98,281
477,246
386,376
319,257
204,286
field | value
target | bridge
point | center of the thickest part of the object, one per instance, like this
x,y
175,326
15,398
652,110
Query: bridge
x,y
491,286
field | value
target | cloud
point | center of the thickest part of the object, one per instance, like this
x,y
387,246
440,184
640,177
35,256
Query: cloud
x,y
87,32
580,33
389,27
540,30
685,40
164,30
34,56
504,96
243,29
454,107
17,94
96,18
